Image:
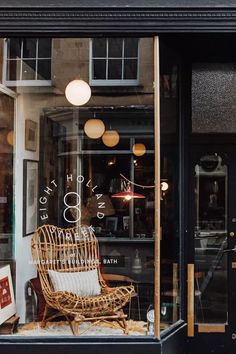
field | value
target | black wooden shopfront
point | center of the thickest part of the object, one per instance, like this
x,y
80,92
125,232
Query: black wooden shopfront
x,y
202,32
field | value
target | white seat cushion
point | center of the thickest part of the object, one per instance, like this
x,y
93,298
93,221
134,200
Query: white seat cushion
x,y
79,283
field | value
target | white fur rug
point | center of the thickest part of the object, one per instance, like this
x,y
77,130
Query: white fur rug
x,y
62,328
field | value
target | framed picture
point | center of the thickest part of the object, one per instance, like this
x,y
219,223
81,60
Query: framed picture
x,y
7,301
126,220
111,223
30,196
31,133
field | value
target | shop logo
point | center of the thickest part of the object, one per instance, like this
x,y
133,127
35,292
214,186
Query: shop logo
x,y
72,202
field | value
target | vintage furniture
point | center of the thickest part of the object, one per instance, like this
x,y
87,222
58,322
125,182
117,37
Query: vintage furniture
x,y
76,250
124,279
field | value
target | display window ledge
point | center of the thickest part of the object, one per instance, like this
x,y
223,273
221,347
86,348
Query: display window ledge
x,y
173,329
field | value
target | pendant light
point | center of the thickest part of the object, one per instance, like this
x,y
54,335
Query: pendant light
x,y
94,128
78,92
128,194
139,149
10,137
111,138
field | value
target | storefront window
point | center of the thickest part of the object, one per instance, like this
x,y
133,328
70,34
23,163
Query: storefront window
x,y
27,61
85,178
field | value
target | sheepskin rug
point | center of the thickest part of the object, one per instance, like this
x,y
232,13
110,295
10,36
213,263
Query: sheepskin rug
x,y
62,328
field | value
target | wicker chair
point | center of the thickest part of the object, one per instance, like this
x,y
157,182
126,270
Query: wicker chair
x,y
76,250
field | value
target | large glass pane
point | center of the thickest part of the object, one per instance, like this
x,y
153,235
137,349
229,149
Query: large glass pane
x,y
85,177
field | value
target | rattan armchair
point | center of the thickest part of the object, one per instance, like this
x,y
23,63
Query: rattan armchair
x,y
76,250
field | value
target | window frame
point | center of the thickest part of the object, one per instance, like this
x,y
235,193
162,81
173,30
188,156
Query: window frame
x,y
23,83
112,82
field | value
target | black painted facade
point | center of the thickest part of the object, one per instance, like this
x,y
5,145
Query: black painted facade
x,y
177,18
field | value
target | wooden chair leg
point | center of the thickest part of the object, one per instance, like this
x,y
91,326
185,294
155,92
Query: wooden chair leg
x,y
75,327
44,321
122,321
126,329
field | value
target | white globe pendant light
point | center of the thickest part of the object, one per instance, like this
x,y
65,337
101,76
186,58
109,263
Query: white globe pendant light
x,y
94,128
78,92
111,138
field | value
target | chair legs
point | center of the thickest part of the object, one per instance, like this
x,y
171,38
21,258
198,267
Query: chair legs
x,y
118,316
138,304
75,327
44,321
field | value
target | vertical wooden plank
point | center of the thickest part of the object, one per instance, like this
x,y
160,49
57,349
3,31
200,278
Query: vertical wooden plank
x,y
175,292
157,183
190,300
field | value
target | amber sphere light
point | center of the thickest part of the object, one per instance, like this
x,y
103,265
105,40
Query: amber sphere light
x,y
110,138
139,149
10,137
94,128
78,92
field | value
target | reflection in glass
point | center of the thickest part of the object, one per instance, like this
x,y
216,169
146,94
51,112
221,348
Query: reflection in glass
x,y
115,69
169,169
100,48
6,179
99,69
78,176
115,47
211,178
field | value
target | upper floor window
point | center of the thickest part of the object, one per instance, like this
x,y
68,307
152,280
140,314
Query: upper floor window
x,y
114,61
28,62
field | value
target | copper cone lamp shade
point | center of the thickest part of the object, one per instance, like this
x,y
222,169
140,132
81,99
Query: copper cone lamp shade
x,y
128,195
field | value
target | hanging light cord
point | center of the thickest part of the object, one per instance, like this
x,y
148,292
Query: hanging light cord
x,y
136,184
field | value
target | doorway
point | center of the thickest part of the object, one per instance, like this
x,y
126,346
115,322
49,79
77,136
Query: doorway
x,y
213,210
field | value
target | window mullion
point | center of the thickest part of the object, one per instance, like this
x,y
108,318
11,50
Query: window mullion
x,y
107,47
122,59
36,59
21,58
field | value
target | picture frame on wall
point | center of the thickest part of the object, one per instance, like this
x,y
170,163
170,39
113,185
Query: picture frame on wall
x,y
111,223
126,221
30,197
7,300
31,133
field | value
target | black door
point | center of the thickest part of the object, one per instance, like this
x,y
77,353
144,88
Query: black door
x,y
214,234
213,205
